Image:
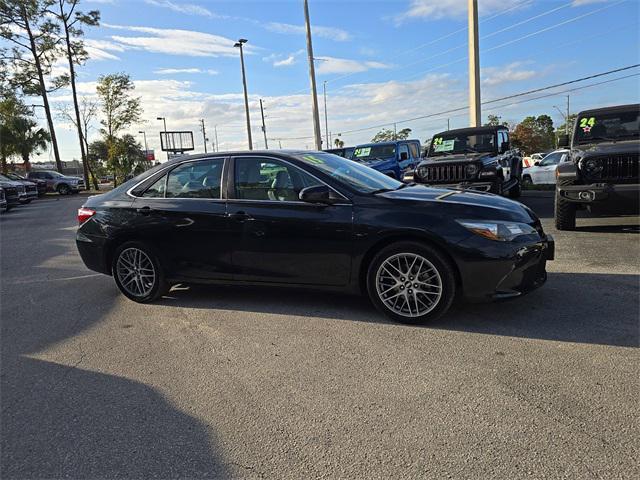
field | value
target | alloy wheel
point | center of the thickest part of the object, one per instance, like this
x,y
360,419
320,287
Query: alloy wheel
x,y
135,272
408,284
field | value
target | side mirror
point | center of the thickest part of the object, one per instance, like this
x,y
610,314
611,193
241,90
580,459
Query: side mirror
x,y
537,164
404,156
563,141
319,194
504,147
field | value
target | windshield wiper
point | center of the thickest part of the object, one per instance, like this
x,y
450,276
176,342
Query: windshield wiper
x,y
399,187
472,150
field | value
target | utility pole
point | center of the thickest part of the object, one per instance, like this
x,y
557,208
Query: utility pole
x,y
215,134
566,122
264,127
239,44
312,74
280,144
326,121
164,119
204,134
448,124
395,132
475,118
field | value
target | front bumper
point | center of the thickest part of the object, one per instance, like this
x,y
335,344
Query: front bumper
x,y
602,197
504,269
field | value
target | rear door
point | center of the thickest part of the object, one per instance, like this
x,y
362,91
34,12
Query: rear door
x,y
184,216
282,239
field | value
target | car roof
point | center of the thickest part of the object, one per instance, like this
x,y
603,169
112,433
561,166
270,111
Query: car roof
x,y
388,142
470,130
612,109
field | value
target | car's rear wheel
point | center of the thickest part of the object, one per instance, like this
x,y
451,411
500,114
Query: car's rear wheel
x,y
63,189
138,273
411,282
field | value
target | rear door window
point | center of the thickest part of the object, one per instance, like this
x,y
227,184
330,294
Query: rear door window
x,y
201,179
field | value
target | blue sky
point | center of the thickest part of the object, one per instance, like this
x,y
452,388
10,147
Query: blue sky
x,y
383,61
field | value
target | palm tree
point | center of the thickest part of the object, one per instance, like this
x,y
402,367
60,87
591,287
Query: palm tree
x,y
27,139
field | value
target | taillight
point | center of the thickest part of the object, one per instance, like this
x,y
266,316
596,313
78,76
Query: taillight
x,y
85,214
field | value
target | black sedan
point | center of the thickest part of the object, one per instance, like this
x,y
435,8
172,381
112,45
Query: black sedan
x,y
312,220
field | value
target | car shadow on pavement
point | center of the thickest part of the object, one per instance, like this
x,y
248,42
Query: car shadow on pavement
x,y
571,307
59,419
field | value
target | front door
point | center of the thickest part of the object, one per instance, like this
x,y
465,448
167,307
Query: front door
x,y
283,239
184,216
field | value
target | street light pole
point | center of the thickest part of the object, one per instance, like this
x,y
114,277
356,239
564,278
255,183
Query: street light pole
x,y
146,149
204,134
326,121
264,127
215,134
312,75
566,123
164,120
475,118
239,45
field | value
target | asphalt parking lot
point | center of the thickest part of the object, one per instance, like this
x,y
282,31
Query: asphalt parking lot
x,y
250,383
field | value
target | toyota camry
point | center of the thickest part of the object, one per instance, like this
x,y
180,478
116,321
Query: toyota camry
x,y
311,220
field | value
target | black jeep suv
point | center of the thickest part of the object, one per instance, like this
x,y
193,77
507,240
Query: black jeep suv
x,y
478,158
602,174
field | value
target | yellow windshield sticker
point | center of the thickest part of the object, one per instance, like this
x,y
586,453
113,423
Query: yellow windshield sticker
x,y
437,141
587,123
312,159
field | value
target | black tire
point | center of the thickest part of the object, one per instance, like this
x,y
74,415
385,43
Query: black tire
x,y
527,180
63,189
515,191
159,286
436,260
564,211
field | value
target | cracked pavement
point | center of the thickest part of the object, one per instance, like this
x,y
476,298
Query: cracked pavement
x,y
269,383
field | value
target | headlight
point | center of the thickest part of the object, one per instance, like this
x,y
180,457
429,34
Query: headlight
x,y
591,166
422,171
498,230
471,170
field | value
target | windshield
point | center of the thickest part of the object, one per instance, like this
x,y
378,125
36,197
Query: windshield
x,y
446,143
373,152
352,174
607,127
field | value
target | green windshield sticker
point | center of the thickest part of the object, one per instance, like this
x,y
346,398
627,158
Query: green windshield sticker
x,y
362,152
587,123
444,145
313,159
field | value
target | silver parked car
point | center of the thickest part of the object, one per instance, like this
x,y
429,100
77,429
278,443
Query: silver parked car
x,y
31,188
56,182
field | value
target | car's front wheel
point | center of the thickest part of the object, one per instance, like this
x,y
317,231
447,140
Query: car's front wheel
x,y
63,189
411,282
138,273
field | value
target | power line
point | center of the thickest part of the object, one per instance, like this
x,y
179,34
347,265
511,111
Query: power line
x,y
459,109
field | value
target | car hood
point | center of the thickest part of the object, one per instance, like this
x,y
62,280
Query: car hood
x,y
10,183
467,203
608,148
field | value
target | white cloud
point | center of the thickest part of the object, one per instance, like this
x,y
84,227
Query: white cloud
x,y
512,72
438,9
331,33
177,42
99,49
343,65
579,3
186,8
290,60
174,71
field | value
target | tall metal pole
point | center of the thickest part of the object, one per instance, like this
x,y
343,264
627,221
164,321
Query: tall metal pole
x,y
326,121
239,44
204,135
264,127
312,75
215,132
395,132
448,124
164,120
146,149
566,123
475,117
